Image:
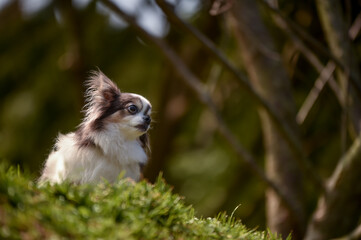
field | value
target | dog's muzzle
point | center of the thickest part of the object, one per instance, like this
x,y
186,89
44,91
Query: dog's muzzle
x,y
145,125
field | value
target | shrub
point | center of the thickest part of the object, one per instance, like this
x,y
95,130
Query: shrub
x,y
125,210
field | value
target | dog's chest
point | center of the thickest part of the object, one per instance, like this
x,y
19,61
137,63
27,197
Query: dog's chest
x,y
128,152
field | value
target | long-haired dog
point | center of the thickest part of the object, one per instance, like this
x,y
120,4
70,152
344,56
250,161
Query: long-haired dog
x,y
112,138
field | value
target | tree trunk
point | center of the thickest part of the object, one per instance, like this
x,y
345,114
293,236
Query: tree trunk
x,y
269,78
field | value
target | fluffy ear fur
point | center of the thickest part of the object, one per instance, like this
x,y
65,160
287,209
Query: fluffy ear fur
x,y
101,94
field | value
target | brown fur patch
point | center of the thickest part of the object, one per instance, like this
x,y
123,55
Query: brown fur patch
x,y
144,142
128,99
147,110
83,139
125,100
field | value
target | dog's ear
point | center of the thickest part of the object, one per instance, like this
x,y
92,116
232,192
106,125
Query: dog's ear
x,y
102,99
100,88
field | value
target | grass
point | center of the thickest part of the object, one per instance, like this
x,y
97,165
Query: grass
x,y
125,210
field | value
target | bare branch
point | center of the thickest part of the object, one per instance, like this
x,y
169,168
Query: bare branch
x,y
341,199
315,44
220,6
354,235
336,33
281,124
355,28
357,233
326,76
302,33
199,89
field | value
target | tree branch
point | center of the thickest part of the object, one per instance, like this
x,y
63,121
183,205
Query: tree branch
x,y
315,44
342,198
325,77
200,90
354,235
280,123
325,72
336,33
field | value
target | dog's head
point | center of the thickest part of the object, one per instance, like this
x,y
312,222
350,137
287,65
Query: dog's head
x,y
106,105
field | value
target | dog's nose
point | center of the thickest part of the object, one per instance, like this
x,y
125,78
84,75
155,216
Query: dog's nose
x,y
147,119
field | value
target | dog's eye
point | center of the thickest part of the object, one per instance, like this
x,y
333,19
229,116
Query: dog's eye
x,y
132,109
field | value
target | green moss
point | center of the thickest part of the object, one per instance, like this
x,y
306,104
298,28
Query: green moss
x,y
125,210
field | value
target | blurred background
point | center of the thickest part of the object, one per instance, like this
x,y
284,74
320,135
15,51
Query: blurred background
x,y
48,47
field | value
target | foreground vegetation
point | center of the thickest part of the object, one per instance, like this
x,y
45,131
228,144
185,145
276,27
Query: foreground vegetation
x,y
125,210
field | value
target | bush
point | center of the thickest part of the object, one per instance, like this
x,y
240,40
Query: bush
x,y
125,210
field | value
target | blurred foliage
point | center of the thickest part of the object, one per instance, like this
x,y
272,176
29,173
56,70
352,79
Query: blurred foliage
x,y
45,58
125,210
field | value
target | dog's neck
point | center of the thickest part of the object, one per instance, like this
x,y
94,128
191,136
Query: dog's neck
x,y
119,147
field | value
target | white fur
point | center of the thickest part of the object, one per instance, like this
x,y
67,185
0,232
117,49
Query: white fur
x,y
90,165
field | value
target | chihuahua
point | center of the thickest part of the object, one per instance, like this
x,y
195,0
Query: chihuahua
x,y
111,139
